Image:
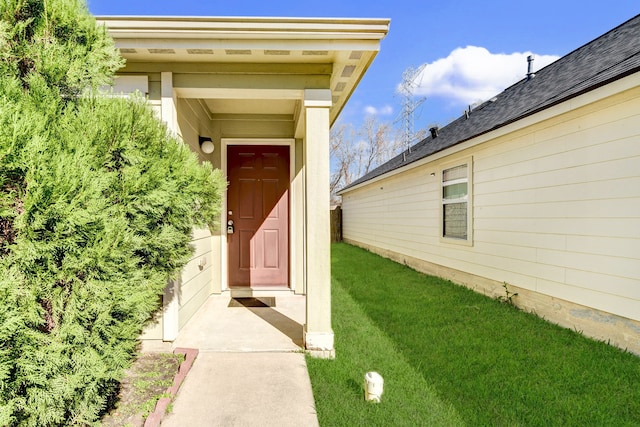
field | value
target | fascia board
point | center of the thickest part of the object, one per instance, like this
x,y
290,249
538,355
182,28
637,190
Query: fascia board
x,y
243,28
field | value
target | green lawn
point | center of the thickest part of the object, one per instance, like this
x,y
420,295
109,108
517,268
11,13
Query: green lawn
x,y
450,356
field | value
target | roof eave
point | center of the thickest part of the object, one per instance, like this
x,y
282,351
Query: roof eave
x,y
601,90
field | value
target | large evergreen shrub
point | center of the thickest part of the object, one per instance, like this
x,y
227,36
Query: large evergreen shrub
x,y
97,206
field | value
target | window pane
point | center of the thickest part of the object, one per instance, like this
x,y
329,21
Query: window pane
x,y
455,220
454,191
458,172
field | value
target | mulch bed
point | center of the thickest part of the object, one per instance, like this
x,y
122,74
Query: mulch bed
x,y
148,387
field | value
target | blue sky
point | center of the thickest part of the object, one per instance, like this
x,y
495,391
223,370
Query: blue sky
x,y
472,49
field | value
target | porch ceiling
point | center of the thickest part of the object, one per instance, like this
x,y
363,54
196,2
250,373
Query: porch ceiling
x,y
248,65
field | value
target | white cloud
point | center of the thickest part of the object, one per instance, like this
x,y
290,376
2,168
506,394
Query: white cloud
x,y
473,74
387,110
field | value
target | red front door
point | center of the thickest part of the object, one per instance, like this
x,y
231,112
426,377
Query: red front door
x,y
258,205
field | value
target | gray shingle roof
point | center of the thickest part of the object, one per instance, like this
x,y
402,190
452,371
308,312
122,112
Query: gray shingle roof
x,y
610,57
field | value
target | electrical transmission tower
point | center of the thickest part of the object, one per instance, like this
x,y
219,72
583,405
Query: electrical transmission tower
x,y
410,104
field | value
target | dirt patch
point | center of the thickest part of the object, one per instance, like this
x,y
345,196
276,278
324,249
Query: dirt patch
x,y
144,383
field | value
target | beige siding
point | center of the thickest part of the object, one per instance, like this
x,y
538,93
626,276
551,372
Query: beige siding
x,y
556,209
195,282
193,122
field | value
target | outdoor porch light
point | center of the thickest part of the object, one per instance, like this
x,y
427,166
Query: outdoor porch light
x,y
206,145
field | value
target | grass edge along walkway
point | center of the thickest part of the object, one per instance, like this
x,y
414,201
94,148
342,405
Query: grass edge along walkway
x,y
494,364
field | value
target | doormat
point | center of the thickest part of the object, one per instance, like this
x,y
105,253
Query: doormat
x,y
253,302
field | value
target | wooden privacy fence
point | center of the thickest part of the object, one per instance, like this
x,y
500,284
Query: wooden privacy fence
x,y
336,224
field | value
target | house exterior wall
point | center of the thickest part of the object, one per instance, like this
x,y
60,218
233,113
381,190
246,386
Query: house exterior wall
x,y
556,215
195,280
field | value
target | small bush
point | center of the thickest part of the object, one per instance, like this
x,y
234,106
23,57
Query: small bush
x,y
97,207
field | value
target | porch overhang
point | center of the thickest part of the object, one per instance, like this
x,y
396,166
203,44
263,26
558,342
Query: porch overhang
x,y
253,66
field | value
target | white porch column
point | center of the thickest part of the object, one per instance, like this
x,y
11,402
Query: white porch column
x,y
168,102
318,335
170,304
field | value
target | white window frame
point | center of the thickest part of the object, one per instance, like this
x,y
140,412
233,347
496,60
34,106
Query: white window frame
x,y
468,161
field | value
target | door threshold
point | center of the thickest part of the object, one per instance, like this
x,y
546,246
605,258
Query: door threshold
x,y
246,292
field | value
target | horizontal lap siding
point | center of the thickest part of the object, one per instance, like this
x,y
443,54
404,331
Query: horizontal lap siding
x,y
195,281
556,209
394,213
567,195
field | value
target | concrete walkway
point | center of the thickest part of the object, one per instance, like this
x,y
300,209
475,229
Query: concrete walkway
x,y
250,370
